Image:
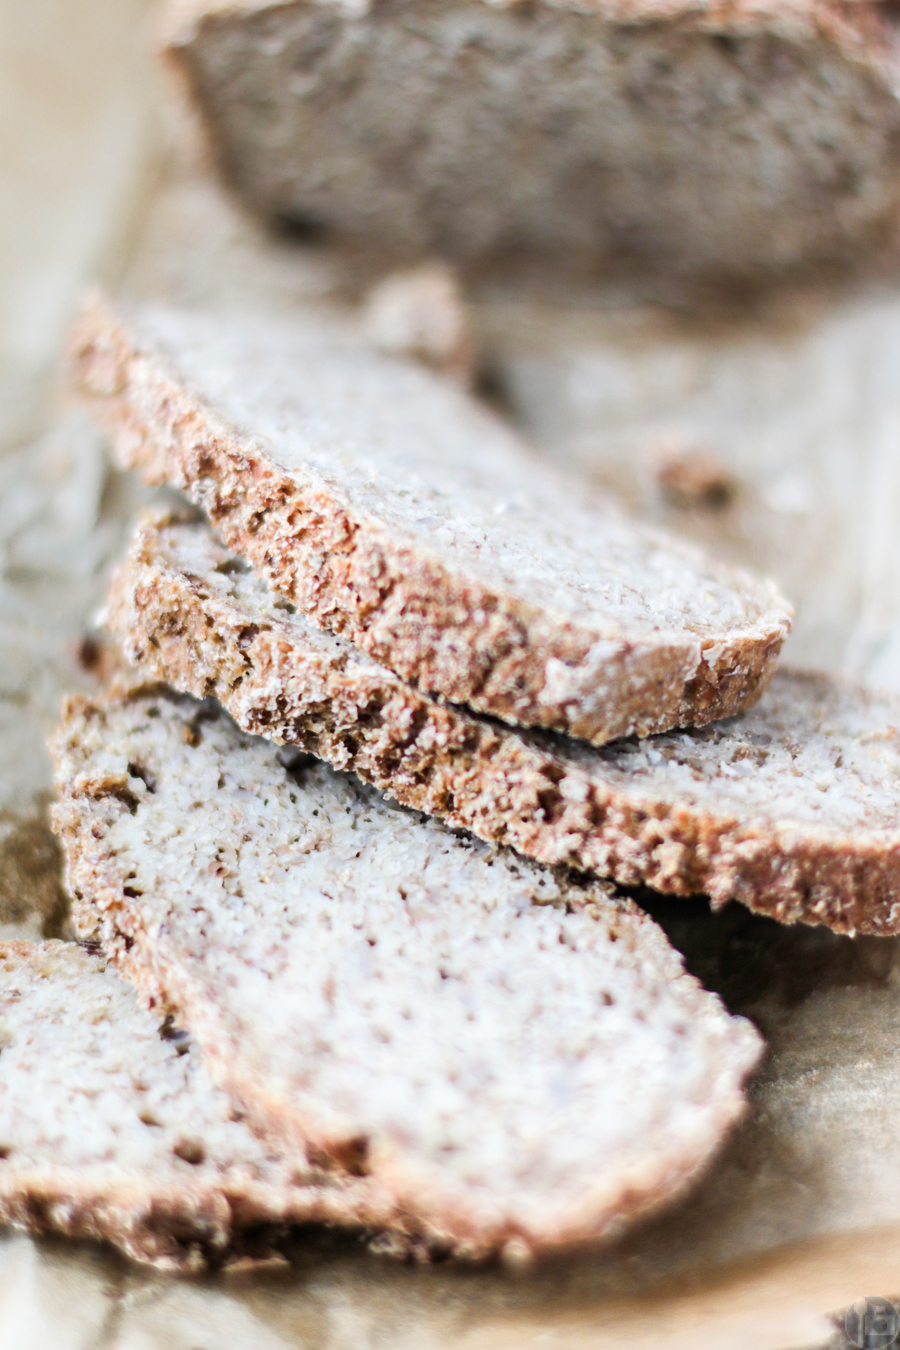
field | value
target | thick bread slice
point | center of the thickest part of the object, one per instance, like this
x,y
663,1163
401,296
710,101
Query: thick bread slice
x,y
110,1129
792,807
517,1057
678,136
394,510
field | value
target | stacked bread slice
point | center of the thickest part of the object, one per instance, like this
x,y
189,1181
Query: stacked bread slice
x,y
405,701
391,509
436,1036
790,807
486,1054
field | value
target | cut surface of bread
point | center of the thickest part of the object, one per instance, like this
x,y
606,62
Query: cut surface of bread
x,y
515,1056
110,1127
683,136
791,807
391,508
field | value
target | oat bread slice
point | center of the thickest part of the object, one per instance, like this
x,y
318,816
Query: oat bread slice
x,y
683,137
516,1056
791,807
391,508
111,1130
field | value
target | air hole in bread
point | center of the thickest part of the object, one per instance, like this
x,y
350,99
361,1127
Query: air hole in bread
x,y
232,567
146,777
190,1151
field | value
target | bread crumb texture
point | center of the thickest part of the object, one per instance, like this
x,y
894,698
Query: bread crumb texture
x,y
110,1127
691,138
391,508
790,807
511,1055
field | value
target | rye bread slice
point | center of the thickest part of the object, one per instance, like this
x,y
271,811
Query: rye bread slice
x,y
516,1056
391,508
680,137
110,1127
791,808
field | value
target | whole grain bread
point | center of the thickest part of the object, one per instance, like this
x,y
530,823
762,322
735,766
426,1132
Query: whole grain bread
x,y
686,137
518,1057
110,1127
391,508
791,808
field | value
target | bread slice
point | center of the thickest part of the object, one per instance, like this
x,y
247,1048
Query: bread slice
x,y
110,1127
791,808
671,136
392,509
516,1056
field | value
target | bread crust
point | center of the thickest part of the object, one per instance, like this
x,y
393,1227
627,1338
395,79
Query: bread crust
x,y
185,1226
441,629
108,903
181,620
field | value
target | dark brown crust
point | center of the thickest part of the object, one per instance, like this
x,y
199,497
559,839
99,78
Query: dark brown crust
x,y
505,787
442,632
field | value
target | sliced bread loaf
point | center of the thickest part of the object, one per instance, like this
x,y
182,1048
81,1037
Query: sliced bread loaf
x,y
518,1057
791,807
392,509
679,136
110,1127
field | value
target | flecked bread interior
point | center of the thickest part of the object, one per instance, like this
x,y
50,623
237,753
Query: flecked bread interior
x,y
110,1129
515,1056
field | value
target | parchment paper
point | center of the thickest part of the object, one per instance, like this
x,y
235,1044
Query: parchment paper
x,y
801,1213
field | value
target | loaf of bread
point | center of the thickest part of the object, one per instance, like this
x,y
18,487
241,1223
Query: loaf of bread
x,y
791,808
110,1127
394,510
516,1056
682,137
